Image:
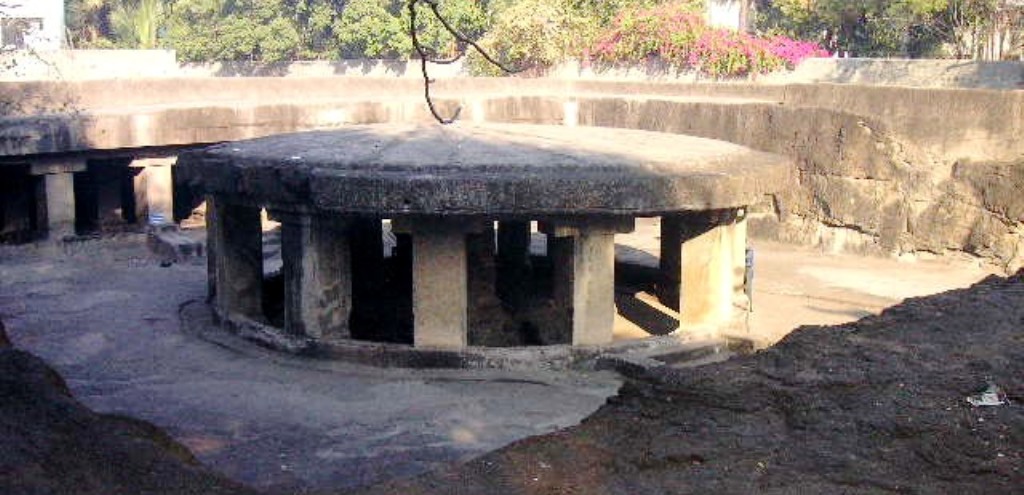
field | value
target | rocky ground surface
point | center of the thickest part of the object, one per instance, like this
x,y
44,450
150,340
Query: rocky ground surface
x,y
878,406
104,314
52,444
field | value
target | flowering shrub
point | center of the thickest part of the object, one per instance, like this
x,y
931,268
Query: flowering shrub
x,y
668,30
795,51
722,53
678,34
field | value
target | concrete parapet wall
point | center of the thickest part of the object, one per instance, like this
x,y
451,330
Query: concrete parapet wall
x,y
68,65
921,73
319,68
77,65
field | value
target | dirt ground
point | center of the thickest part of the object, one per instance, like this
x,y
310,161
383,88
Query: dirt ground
x,y
876,407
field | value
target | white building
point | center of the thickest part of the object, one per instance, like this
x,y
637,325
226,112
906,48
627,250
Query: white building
x,y
728,14
32,24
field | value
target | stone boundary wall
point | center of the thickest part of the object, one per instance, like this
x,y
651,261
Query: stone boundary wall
x,y
919,73
78,65
888,170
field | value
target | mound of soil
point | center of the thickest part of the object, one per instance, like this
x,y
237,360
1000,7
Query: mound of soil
x,y
51,444
877,406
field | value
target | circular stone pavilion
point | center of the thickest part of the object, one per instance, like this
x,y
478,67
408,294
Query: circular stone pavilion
x,y
444,190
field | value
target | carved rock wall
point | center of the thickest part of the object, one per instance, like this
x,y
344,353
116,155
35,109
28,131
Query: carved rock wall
x,y
861,185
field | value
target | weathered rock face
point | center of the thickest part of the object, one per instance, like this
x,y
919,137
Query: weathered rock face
x,y
979,209
861,186
876,406
51,444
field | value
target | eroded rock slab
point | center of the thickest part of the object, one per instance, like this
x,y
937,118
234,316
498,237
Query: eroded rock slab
x,y
52,444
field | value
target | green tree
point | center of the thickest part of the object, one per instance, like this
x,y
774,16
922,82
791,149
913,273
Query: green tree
x,y
316,21
272,30
254,30
136,23
88,22
914,28
372,29
537,33
466,16
380,28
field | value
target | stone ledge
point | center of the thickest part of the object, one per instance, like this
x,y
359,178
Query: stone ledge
x,y
200,319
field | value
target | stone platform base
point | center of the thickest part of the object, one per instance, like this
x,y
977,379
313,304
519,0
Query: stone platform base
x,y
674,350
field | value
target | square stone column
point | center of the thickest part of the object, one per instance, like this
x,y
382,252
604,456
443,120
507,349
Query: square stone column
x,y
59,189
487,317
317,270
739,260
235,250
60,204
154,190
571,111
698,265
440,285
583,266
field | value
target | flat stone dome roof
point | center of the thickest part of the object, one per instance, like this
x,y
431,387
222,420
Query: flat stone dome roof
x,y
485,169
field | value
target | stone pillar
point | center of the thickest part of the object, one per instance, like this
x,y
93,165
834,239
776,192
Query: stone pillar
x,y
60,204
670,264
698,266
160,194
571,113
59,188
140,192
513,262
154,190
235,246
583,263
560,255
440,286
477,112
739,260
485,313
317,275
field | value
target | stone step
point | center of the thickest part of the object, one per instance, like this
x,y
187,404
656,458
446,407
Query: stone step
x,y
172,245
635,362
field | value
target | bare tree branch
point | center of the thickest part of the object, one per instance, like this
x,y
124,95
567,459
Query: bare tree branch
x,y
462,42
